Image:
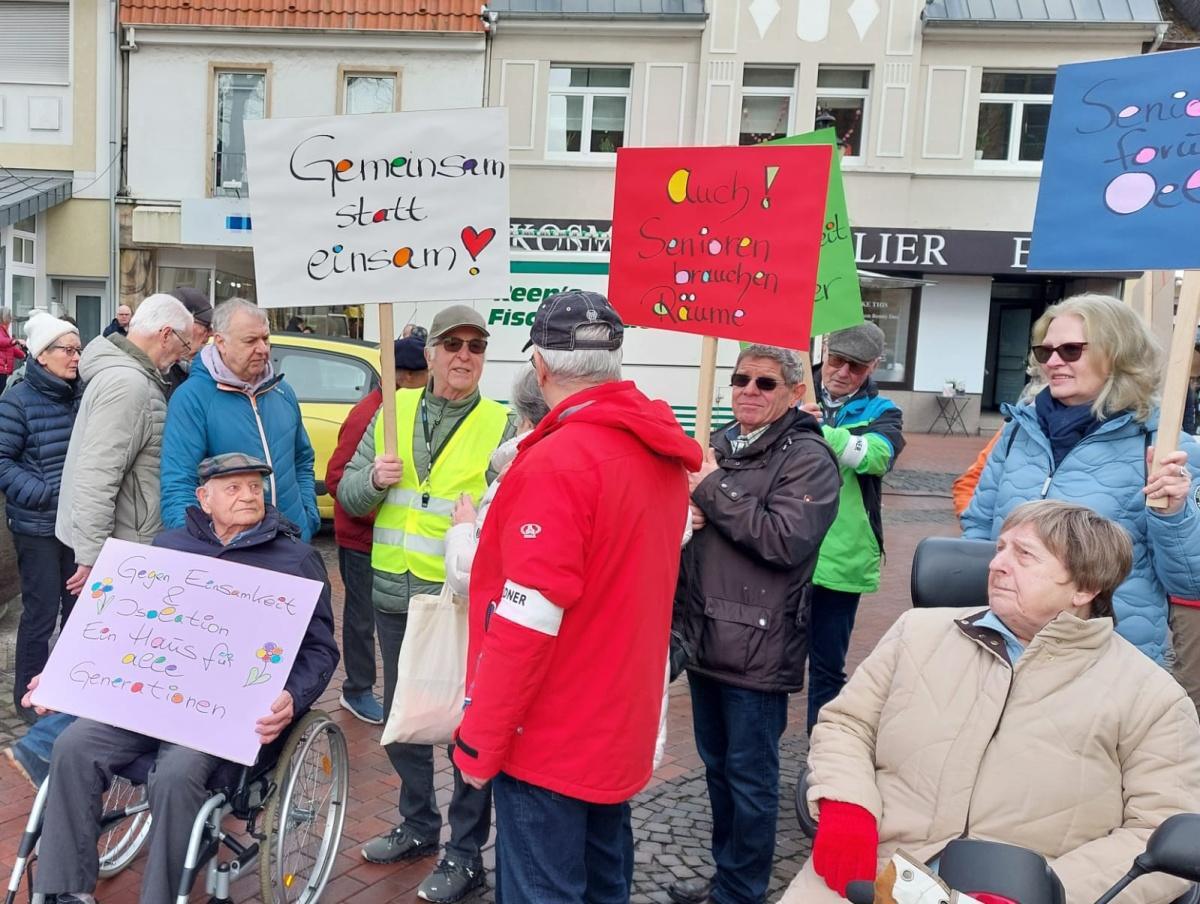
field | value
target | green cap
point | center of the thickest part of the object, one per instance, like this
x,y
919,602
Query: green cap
x,y
231,463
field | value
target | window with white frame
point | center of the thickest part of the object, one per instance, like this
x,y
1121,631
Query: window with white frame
x,y
35,42
588,110
1014,112
240,97
22,271
766,104
842,95
369,93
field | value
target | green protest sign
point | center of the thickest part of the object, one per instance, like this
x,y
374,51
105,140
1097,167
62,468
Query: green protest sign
x,y
839,299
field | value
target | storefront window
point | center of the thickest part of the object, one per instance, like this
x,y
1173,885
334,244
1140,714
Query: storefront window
x,y
340,321
892,311
172,278
22,303
231,285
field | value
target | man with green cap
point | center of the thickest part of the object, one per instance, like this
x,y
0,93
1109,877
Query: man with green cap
x,y
446,433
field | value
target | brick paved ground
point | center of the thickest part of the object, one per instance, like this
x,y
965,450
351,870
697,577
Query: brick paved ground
x,y
671,821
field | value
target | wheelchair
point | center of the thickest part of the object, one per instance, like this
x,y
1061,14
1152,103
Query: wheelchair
x,y
291,804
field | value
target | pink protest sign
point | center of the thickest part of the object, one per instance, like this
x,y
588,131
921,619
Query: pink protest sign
x,y
184,648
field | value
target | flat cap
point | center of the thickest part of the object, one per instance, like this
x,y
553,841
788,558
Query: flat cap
x,y
231,463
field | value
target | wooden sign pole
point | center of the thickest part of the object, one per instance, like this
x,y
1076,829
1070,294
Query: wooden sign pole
x,y
387,364
1179,366
806,377
708,379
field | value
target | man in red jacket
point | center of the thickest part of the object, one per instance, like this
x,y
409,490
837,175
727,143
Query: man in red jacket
x,y
570,615
353,537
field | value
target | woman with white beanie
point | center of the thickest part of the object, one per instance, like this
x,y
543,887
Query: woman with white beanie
x,y
36,417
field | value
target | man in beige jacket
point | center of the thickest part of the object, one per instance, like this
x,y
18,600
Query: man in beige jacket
x,y
1030,722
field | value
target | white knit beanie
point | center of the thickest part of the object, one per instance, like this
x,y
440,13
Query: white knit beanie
x,y
42,328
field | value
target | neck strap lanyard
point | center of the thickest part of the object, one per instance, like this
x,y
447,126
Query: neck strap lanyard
x,y
428,433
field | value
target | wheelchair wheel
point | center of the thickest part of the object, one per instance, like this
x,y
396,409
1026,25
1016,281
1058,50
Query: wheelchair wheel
x,y
304,817
122,837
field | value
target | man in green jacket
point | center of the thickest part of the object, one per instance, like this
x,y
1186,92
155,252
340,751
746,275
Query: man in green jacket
x,y
864,430
446,434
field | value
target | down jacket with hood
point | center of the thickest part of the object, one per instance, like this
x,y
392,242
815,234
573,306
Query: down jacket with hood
x,y
209,415
1078,751
35,429
570,610
275,545
741,605
110,479
1105,471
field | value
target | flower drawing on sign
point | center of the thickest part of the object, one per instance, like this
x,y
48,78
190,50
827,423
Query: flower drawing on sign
x,y
269,653
100,591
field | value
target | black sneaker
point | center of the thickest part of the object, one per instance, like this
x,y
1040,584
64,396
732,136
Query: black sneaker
x,y
450,881
690,891
398,844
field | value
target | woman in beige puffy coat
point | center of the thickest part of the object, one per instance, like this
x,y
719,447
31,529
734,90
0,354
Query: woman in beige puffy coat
x,y
1030,722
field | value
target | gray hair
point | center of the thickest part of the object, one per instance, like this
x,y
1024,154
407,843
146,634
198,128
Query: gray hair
x,y
527,399
5,315
158,311
788,361
584,365
224,313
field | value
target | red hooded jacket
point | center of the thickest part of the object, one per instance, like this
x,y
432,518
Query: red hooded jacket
x,y
571,594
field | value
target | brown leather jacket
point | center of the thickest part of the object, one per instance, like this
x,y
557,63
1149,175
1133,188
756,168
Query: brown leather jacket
x,y
741,604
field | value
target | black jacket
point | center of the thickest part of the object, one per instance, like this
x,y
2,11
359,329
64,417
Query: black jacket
x,y
741,605
275,545
115,327
36,417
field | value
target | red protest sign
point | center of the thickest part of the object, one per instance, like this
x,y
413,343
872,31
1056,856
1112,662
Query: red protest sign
x,y
719,241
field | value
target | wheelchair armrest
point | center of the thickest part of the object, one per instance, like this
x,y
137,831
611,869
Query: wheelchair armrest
x,y
804,816
1191,896
951,571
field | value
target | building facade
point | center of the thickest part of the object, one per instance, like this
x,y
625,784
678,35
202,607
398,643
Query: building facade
x,y
941,111
59,149
199,70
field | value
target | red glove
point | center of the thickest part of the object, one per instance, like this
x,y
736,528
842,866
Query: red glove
x,y
845,847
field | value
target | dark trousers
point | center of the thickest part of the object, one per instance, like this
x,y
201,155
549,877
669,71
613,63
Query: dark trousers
x,y
358,622
555,849
45,565
81,769
737,737
470,812
830,622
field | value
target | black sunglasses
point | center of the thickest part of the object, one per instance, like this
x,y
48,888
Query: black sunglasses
x,y
1068,351
453,343
764,384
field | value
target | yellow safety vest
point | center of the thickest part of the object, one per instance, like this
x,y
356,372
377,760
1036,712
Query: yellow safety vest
x,y
411,525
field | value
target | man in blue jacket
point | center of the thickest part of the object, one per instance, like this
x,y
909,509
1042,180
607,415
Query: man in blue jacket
x,y
233,523
234,402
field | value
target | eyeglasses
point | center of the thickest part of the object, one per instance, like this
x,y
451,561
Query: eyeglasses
x,y
1069,352
764,384
837,362
187,346
73,351
452,344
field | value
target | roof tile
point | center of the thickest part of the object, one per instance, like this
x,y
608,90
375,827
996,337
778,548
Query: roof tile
x,y
359,15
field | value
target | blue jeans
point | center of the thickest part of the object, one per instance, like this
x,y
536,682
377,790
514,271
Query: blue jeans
x,y
830,622
554,849
39,740
737,737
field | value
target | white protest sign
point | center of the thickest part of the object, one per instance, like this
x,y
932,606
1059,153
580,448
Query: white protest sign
x,y
380,208
185,648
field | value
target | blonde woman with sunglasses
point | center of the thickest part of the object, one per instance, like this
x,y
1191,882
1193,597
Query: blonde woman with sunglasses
x,y
1088,438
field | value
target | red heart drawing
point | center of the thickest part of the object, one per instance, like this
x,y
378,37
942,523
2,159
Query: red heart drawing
x,y
475,242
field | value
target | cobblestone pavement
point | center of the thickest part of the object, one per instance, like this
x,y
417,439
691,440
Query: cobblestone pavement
x,y
670,818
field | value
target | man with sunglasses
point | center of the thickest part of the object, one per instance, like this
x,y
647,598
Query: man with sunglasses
x,y
762,502
446,433
864,430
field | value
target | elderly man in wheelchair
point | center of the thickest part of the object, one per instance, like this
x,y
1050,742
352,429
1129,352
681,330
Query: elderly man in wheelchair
x,y
232,522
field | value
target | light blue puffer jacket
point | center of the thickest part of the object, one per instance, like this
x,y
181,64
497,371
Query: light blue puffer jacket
x,y
1106,472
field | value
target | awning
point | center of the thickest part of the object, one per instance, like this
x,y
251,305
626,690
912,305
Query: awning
x,y
870,280
26,192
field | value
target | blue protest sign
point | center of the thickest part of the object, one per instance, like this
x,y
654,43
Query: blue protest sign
x,y
1120,186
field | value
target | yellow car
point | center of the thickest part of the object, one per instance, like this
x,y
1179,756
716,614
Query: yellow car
x,y
330,376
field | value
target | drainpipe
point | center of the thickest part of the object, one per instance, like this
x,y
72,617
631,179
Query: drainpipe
x,y
1160,35
114,151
